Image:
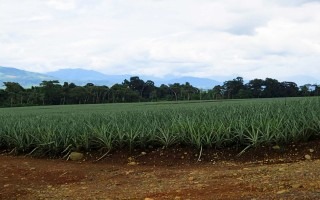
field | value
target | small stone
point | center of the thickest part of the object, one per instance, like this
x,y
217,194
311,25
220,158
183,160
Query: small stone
x,y
177,198
282,191
276,147
201,185
143,153
311,150
190,178
132,163
307,157
295,186
148,199
75,156
6,185
130,159
129,172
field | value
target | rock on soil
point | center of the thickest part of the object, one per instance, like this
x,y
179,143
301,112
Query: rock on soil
x,y
307,157
75,156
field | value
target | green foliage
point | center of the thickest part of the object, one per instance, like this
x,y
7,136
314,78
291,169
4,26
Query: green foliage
x,y
208,124
137,90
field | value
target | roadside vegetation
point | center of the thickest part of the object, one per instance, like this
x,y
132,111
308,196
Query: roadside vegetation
x,y
58,130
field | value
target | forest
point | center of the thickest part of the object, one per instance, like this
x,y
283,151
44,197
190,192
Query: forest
x,y
137,90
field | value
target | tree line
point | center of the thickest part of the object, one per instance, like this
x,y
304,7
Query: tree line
x,y
138,90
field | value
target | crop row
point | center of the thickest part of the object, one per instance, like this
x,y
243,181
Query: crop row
x,y
55,130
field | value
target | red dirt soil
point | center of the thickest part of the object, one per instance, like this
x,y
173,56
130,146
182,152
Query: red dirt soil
x,y
175,173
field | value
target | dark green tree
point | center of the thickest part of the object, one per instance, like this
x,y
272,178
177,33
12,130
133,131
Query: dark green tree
x,y
149,90
256,86
217,92
78,95
163,92
15,92
175,90
233,87
289,89
52,92
272,88
136,84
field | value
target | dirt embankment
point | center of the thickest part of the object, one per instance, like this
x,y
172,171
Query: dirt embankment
x,y
270,173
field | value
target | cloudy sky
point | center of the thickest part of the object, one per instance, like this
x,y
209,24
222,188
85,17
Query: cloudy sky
x,y
203,38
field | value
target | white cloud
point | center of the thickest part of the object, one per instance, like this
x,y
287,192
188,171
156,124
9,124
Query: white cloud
x,y
204,38
62,4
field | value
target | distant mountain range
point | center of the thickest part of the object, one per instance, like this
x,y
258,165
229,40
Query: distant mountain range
x,y
24,78
82,77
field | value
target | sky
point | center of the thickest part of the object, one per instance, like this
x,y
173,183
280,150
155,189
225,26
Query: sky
x,y
201,38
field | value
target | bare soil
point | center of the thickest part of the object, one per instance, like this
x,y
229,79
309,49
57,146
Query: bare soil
x,y
175,173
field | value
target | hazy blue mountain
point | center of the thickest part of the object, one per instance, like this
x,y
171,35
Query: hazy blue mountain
x,y
77,74
24,78
83,76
